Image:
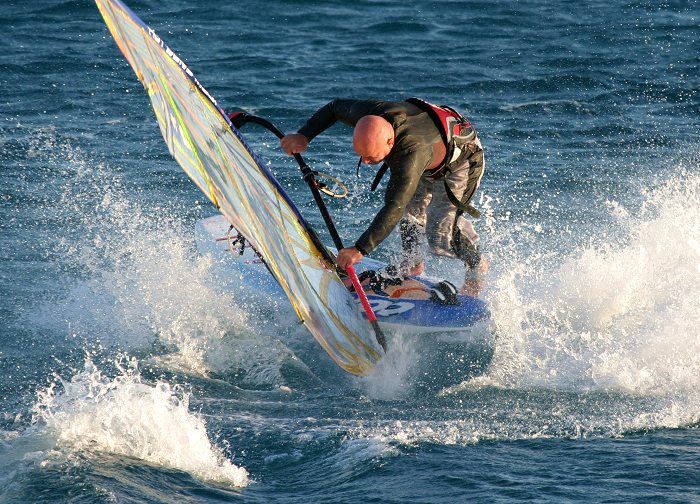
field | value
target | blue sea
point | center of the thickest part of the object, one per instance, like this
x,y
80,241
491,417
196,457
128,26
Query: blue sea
x,y
129,375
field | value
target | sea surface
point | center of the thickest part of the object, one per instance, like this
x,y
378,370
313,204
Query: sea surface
x,y
128,375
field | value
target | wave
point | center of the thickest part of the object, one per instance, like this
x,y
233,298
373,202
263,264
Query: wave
x,y
618,313
126,416
133,280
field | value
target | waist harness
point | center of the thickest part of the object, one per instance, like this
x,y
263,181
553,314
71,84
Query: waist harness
x,y
457,132
455,129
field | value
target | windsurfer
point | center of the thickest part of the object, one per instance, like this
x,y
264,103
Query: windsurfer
x,y
420,147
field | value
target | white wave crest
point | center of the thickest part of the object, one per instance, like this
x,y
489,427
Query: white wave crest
x,y
614,315
126,416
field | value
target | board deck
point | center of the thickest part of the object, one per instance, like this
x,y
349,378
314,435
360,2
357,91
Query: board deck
x,y
407,307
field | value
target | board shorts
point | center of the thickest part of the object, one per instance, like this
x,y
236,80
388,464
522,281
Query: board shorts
x,y
431,214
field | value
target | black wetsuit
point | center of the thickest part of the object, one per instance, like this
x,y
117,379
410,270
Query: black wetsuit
x,y
415,133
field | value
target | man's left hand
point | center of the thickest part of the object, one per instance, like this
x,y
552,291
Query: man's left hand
x,y
348,256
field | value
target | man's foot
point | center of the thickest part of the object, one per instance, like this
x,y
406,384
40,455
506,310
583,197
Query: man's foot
x,y
474,278
444,293
472,287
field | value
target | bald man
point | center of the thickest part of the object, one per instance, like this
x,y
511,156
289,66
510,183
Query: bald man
x,y
407,140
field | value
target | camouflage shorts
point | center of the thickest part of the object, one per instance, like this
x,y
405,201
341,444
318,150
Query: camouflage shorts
x,y
431,213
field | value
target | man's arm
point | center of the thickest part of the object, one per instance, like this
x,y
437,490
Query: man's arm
x,y
323,118
401,188
344,110
341,109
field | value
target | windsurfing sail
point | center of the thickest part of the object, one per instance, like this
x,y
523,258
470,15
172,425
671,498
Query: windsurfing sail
x,y
213,153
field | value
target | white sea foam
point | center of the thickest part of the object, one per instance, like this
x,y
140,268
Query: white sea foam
x,y
615,323
125,416
390,378
141,281
621,316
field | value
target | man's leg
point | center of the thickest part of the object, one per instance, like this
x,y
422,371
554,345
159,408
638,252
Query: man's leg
x,y
441,213
450,234
412,229
466,248
465,237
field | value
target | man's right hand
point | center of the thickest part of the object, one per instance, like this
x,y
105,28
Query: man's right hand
x,y
294,143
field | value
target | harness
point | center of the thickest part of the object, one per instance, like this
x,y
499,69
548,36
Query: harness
x,y
456,131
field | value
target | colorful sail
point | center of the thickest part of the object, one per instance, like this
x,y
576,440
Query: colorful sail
x,y
213,153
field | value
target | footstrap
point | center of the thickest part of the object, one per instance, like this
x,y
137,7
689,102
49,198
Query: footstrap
x,y
377,281
444,293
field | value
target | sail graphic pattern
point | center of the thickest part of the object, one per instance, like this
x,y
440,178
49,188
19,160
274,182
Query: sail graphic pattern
x,y
213,153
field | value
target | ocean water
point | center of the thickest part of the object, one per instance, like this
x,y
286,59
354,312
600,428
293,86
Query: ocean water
x,y
128,375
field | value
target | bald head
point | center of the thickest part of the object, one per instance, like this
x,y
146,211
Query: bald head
x,y
373,138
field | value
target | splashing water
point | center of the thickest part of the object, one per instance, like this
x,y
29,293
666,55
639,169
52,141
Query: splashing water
x,y
128,417
141,279
390,378
613,316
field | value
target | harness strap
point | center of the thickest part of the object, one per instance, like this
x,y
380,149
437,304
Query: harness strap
x,y
378,177
460,206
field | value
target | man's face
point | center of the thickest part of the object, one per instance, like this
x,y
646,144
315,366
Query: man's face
x,y
374,152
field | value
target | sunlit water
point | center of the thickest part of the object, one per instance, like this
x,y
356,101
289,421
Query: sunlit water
x,y
130,374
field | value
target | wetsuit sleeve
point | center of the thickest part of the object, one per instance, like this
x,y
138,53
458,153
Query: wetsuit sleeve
x,y
400,189
343,110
